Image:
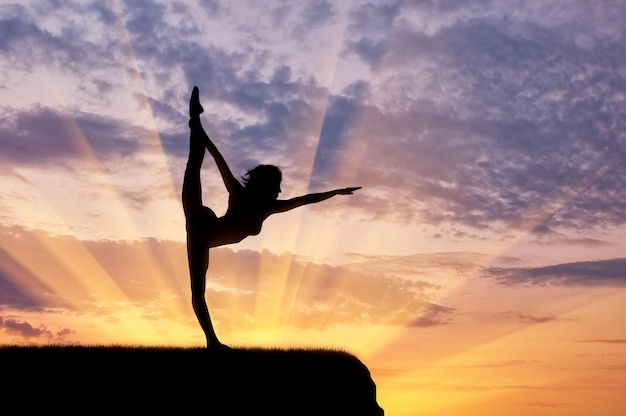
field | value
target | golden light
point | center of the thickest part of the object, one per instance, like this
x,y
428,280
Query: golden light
x,y
67,268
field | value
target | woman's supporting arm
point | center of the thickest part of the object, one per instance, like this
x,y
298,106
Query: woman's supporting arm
x,y
231,183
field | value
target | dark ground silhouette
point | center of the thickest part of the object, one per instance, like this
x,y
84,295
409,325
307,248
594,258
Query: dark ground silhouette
x,y
126,380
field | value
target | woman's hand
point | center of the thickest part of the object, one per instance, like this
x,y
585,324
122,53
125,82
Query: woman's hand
x,y
347,191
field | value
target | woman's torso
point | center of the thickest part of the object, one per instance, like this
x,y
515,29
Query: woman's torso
x,y
242,219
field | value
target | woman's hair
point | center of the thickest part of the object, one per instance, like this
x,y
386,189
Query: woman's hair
x,y
262,175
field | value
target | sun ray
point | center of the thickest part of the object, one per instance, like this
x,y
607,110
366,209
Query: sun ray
x,y
496,348
23,273
83,276
63,265
270,311
348,172
540,217
497,354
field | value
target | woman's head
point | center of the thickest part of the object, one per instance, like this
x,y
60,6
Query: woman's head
x,y
263,181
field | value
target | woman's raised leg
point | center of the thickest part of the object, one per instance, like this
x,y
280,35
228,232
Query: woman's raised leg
x,y
197,246
192,189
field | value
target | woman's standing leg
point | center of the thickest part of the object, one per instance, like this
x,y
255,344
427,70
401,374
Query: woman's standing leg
x,y
198,257
197,240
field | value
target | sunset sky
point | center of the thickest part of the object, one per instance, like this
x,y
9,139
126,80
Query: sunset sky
x,y
480,270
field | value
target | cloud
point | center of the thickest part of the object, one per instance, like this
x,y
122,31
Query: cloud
x,y
609,273
604,341
65,332
533,319
23,329
68,42
317,13
465,115
333,295
45,136
13,296
546,235
19,32
19,288
370,26
435,315
511,121
152,274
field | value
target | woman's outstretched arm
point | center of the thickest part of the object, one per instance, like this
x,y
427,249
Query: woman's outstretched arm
x,y
289,204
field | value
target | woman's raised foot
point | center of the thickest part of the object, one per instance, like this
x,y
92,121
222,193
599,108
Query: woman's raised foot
x,y
195,108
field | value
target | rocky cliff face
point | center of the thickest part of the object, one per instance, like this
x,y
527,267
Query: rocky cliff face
x,y
90,380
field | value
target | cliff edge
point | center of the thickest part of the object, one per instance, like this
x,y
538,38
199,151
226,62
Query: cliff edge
x,y
120,380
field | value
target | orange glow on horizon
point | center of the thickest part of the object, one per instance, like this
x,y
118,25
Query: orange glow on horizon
x,y
475,367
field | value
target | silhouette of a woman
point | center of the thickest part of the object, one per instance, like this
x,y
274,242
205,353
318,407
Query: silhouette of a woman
x,y
249,204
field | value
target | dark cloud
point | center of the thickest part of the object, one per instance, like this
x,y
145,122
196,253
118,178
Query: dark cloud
x,y
475,116
65,332
145,16
546,235
19,289
23,329
370,27
281,110
587,242
47,136
511,121
541,230
11,295
224,75
434,315
317,13
19,34
610,273
70,46
279,14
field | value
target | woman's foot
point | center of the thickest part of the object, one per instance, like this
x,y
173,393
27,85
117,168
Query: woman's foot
x,y
195,108
217,346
